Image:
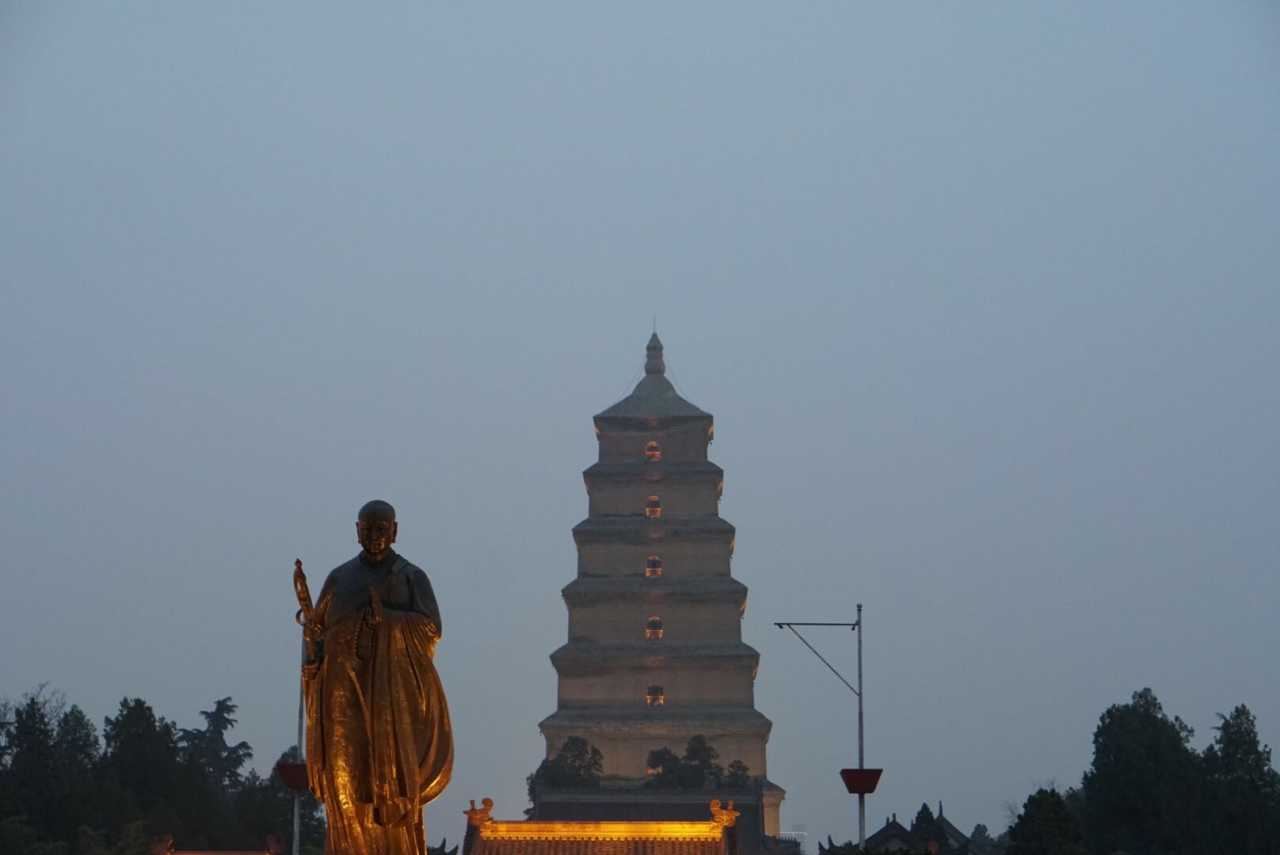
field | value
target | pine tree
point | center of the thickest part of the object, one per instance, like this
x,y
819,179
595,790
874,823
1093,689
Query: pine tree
x,y
32,787
208,750
1243,790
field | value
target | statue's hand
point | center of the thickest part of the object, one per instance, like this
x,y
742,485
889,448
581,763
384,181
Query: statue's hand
x,y
313,630
312,627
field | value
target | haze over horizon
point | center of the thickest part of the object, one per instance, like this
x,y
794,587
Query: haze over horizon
x,y
984,301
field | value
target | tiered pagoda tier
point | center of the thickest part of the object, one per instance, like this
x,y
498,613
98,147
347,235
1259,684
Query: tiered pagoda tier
x,y
655,652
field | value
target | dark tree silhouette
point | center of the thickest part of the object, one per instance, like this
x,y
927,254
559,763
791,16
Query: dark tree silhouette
x,y
698,766
265,806
696,770
737,776
1045,827
664,767
140,753
208,750
76,751
62,792
1242,788
980,841
577,765
925,827
1141,792
33,791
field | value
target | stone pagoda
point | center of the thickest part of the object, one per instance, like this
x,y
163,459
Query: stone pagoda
x,y
655,652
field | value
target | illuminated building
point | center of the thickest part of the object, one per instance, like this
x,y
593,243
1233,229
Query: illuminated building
x,y
655,652
715,834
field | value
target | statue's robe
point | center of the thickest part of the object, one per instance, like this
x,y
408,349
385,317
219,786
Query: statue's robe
x,y
379,742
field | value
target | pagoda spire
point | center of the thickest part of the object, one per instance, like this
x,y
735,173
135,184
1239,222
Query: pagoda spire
x,y
654,396
653,363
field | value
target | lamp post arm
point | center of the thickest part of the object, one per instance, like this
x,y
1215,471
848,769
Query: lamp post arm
x,y
857,690
814,650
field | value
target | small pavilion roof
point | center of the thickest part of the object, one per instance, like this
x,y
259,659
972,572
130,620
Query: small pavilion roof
x,y
653,396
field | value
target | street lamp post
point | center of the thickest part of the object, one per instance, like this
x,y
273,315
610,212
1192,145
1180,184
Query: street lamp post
x,y
862,797
302,758
861,780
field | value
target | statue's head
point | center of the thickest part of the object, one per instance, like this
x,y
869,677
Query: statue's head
x,y
376,528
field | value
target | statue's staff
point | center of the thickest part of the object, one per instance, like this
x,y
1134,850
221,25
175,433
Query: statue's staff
x,y
305,618
306,612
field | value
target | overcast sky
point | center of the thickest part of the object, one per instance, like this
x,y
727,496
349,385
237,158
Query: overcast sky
x,y
983,297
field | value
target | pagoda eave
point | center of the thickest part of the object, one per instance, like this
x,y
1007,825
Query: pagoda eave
x,y
586,590
615,473
586,658
637,529
710,720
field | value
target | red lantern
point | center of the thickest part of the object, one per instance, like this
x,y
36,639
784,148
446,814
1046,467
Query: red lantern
x,y
861,781
294,775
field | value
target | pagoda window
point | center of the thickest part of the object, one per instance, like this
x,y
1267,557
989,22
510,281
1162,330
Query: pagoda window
x,y
653,628
653,508
652,567
653,451
654,697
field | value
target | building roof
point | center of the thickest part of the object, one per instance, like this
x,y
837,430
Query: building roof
x,y
487,836
654,396
955,837
893,835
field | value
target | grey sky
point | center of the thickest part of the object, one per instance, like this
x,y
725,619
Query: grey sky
x,y
983,297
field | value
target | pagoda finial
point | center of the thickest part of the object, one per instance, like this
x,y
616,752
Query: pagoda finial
x,y
653,363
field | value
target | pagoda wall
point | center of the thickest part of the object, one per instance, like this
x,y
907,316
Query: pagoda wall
x,y
633,753
684,443
679,498
683,686
680,559
626,748
625,619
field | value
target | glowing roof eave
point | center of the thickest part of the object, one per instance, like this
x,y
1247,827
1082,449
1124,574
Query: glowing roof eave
x,y
551,830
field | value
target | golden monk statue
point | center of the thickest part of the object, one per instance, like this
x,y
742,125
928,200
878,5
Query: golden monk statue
x,y
379,742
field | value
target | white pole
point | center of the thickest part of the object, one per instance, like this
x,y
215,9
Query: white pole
x,y
862,798
302,758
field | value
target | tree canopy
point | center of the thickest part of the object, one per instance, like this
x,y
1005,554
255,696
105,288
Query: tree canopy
x,y
1148,791
1045,827
577,765
697,769
63,791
